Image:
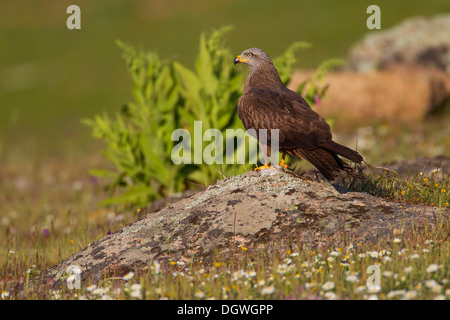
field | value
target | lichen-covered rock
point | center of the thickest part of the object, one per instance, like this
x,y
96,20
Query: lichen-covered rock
x,y
422,41
255,210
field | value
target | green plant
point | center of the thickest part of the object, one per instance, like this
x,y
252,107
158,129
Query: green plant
x,y
209,94
429,190
137,140
170,96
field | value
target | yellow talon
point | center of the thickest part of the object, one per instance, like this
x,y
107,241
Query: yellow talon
x,y
266,166
283,164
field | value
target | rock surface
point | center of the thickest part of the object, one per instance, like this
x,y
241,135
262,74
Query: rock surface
x,y
403,94
423,41
255,210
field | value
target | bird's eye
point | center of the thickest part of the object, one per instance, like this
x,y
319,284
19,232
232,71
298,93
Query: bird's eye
x,y
249,55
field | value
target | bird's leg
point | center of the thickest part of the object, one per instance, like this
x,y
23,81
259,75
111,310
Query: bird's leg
x,y
266,151
282,163
265,166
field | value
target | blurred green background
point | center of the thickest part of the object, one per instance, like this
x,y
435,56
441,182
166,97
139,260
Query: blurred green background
x,y
50,76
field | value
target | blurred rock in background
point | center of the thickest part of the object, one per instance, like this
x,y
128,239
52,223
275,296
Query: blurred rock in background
x,y
401,74
421,41
402,94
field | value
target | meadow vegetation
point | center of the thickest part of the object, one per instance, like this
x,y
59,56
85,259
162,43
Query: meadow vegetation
x,y
52,212
413,265
49,200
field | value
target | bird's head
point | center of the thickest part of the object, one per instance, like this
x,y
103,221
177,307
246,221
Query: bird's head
x,y
253,57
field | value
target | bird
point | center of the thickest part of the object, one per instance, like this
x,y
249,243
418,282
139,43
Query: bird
x,y
267,104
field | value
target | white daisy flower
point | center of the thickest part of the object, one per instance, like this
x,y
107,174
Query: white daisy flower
x,y
387,274
373,289
91,287
330,295
128,276
268,290
329,285
437,288
432,268
136,287
352,278
430,283
409,295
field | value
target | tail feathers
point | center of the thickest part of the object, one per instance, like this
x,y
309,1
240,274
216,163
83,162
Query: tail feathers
x,y
341,150
328,163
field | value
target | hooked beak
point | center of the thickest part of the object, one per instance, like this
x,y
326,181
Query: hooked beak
x,y
239,60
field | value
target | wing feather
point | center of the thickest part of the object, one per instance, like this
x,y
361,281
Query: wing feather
x,y
299,126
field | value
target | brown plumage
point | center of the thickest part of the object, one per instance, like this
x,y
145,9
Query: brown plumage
x,y
267,104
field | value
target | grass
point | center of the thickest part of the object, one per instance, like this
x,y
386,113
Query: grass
x,y
49,203
414,265
51,212
428,139
427,190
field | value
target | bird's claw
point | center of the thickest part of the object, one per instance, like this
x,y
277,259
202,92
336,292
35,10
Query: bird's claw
x,y
266,166
283,164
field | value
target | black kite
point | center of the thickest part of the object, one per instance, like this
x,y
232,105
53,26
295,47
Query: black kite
x,y
267,104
